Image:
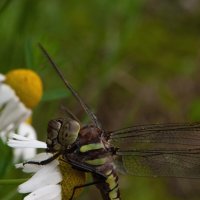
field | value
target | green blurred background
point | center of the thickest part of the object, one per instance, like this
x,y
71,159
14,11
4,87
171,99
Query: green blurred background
x,y
132,61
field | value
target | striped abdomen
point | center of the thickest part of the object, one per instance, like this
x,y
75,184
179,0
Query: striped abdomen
x,y
109,188
95,152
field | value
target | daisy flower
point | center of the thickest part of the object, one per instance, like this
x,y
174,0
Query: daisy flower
x,y
28,131
20,92
53,181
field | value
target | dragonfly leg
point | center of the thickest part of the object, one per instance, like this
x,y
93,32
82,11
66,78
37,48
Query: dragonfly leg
x,y
82,186
43,162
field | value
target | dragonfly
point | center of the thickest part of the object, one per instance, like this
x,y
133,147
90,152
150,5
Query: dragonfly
x,y
171,150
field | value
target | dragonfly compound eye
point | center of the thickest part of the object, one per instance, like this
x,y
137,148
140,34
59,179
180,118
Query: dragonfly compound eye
x,y
53,129
69,132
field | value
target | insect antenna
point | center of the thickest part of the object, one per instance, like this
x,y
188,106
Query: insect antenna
x,y
91,115
67,111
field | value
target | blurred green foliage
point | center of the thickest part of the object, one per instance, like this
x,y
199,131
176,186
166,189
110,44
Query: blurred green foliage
x,y
135,60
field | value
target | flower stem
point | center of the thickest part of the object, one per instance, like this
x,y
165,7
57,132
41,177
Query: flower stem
x,y
11,181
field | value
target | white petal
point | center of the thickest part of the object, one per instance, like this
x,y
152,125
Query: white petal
x,y
27,144
6,132
27,130
20,136
14,112
21,113
26,138
29,168
28,153
47,175
23,153
6,93
50,192
19,165
23,130
2,78
3,136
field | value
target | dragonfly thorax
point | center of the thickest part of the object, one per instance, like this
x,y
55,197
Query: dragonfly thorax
x,y
61,133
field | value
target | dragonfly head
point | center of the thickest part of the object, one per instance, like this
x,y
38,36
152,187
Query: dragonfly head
x,y
61,133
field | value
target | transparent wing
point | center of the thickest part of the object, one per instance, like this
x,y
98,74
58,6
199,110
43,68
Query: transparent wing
x,y
159,150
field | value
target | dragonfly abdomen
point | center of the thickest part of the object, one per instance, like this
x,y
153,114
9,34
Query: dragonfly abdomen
x,y
109,188
96,152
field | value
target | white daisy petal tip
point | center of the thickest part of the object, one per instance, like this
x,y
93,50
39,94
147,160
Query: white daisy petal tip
x,y
19,165
28,168
40,179
20,141
2,78
27,144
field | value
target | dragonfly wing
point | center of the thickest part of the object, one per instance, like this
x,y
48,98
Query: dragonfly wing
x,y
159,150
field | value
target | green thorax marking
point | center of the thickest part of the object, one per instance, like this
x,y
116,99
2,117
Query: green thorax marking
x,y
89,147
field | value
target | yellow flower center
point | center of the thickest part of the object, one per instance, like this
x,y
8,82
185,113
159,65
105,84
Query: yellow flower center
x,y
71,178
27,85
29,120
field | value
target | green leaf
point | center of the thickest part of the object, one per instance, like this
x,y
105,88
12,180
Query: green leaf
x,y
5,159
